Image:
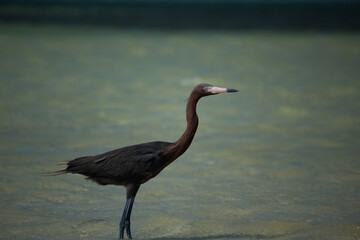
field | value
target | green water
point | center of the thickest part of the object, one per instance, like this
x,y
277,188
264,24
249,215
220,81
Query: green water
x,y
280,159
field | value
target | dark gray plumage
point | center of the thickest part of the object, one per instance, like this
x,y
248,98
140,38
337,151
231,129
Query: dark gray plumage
x,y
133,164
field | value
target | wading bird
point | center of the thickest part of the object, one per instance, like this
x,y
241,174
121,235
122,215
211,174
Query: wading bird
x,y
134,165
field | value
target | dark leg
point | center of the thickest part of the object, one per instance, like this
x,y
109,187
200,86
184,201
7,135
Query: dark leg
x,y
122,221
127,218
131,191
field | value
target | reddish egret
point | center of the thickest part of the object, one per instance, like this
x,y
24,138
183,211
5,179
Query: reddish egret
x,y
134,165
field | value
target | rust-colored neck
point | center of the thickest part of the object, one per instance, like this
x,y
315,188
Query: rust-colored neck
x,y
181,145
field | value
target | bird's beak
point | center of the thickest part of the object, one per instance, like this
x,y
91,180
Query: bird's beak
x,y
231,90
216,90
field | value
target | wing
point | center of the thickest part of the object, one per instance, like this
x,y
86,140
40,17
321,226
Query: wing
x,y
121,165
131,151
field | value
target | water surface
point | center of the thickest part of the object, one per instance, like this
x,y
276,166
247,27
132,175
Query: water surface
x,y
278,160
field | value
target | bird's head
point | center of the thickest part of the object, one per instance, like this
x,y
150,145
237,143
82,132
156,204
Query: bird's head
x,y
205,89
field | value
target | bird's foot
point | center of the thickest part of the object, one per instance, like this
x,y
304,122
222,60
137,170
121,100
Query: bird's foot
x,y
123,227
128,231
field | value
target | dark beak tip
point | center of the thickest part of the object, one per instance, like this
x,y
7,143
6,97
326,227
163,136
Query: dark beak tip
x,y
231,90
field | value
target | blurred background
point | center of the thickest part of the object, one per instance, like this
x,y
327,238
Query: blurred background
x,y
279,159
189,14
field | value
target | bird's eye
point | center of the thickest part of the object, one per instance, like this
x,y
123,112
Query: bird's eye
x,y
206,89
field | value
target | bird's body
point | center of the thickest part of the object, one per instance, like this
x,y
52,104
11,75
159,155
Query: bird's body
x,y
134,165
129,165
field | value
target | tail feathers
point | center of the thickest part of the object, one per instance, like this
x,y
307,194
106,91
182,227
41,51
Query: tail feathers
x,y
78,165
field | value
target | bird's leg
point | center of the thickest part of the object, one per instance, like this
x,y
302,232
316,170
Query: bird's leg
x,y
131,190
127,218
122,221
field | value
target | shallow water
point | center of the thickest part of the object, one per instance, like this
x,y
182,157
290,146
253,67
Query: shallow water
x,y
279,159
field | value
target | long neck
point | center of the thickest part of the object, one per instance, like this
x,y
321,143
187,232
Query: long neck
x,y
183,143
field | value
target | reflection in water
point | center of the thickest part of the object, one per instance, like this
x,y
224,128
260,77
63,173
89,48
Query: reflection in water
x,y
278,160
